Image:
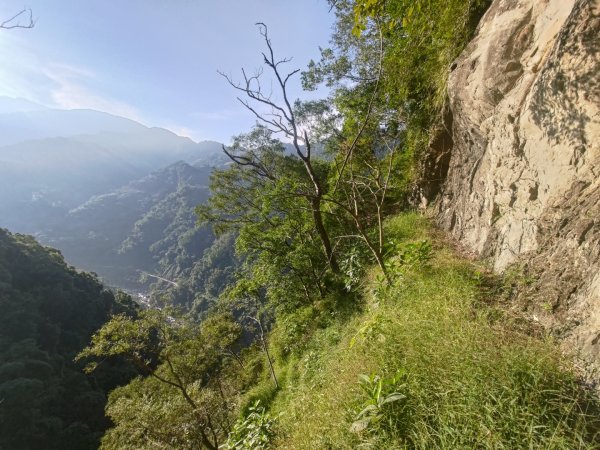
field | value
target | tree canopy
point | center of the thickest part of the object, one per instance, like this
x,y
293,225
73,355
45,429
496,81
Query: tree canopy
x,y
48,312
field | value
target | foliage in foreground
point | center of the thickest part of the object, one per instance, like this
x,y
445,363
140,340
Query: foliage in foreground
x,y
253,432
182,397
464,381
48,312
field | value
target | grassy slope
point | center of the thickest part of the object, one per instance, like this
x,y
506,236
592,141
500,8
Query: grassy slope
x,y
471,382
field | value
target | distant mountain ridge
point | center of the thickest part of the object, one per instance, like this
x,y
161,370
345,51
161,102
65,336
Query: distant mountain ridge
x,y
53,160
115,196
12,104
20,126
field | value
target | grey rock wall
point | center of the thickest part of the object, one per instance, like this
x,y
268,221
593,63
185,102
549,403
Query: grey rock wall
x,y
521,158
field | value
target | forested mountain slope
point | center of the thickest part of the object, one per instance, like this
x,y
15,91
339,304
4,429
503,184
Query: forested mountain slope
x,y
48,312
53,160
367,327
147,225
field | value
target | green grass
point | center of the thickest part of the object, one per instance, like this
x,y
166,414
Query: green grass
x,y
471,383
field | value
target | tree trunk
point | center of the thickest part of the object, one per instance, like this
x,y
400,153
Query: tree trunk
x,y
376,252
323,235
266,350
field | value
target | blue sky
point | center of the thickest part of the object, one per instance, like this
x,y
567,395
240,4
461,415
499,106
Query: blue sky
x,y
155,61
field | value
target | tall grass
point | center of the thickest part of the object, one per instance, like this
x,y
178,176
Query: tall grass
x,y
470,383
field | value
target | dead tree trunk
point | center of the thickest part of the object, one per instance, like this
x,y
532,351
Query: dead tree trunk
x,y
282,119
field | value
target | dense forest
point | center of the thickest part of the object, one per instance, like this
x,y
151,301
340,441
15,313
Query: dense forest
x,y
321,311
146,226
48,313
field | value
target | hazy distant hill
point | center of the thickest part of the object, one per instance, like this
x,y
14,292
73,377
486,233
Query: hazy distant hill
x,y
12,105
116,197
53,160
21,126
22,120
146,226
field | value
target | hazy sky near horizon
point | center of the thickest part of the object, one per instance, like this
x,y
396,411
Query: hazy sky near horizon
x,y
156,61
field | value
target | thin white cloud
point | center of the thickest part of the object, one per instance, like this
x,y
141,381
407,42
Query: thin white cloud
x,y
19,69
183,131
72,90
26,72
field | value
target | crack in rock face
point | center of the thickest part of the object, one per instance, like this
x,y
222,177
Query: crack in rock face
x,y
520,156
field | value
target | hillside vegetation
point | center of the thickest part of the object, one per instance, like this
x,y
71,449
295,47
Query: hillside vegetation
x,y
432,362
333,316
144,226
48,312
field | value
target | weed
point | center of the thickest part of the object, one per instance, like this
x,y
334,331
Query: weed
x,y
384,402
410,255
352,267
253,432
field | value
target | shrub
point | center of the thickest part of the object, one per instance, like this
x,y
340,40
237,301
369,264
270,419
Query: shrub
x,y
383,406
252,432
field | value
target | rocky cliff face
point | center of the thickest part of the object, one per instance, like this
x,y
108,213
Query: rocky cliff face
x,y
520,157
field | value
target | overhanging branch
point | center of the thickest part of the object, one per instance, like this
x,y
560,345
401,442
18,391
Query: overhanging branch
x,y
10,23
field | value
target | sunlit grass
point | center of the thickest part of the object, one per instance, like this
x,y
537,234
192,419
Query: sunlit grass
x,y
471,383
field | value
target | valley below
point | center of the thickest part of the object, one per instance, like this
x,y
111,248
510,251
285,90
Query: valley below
x,y
402,250
115,197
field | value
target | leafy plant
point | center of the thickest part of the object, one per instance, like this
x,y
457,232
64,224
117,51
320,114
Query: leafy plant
x,y
380,287
384,402
401,257
409,255
352,268
253,432
372,328
412,253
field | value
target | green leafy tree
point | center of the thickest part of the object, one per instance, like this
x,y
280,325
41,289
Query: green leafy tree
x,y
181,365
247,297
48,312
387,67
266,200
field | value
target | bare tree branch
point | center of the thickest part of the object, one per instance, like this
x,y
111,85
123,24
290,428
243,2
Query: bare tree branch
x,y
241,160
282,119
10,23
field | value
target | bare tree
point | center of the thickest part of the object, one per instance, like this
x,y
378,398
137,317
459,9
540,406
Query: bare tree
x,y
15,21
281,118
362,184
363,196
265,346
